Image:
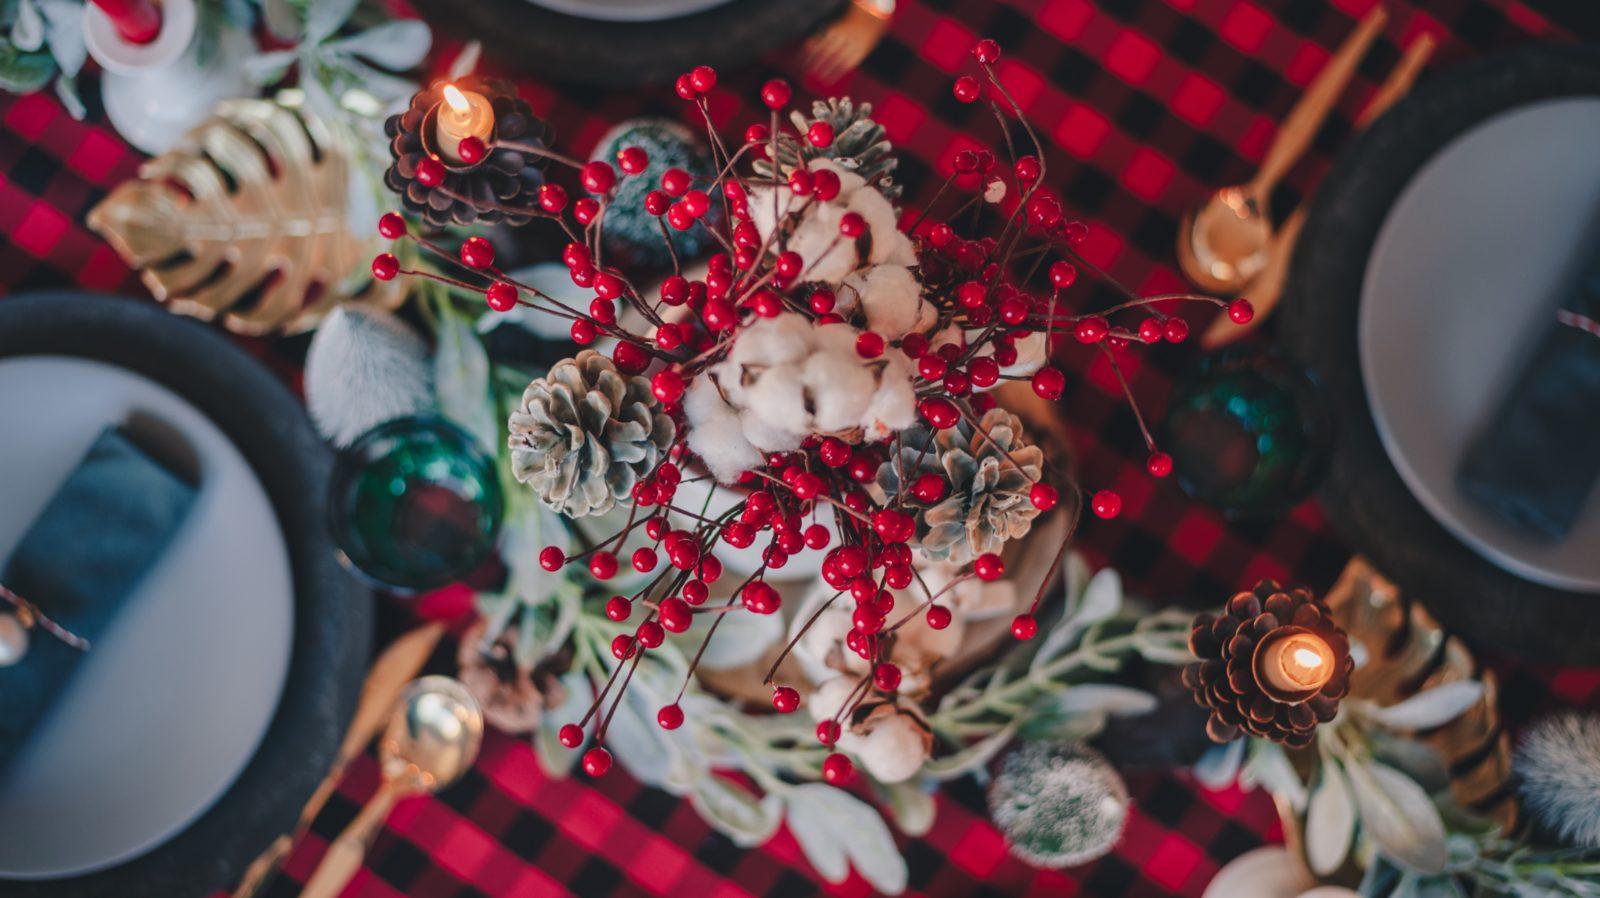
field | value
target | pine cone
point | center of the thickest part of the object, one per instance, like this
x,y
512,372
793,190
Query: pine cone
x,y
858,144
1227,680
586,433
497,189
987,501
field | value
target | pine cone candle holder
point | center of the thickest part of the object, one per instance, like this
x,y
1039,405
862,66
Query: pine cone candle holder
x,y
501,186
586,433
1273,665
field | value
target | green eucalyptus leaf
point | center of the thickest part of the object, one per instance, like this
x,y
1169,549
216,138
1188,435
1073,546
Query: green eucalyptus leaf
x,y
23,72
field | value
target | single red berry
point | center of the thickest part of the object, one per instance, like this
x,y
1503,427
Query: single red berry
x,y
630,358
552,198
828,732
807,485
822,300
392,225
675,615
984,372
623,646
385,266
1240,311
1049,383
430,172
869,345
1150,330
583,332
685,88
704,78
676,181
820,134
931,367
571,735
1013,310
603,311
837,770
760,597
651,634
938,617
644,557
585,210
551,558
1106,504
1063,275
775,93
618,608
986,51
825,184
967,89
603,565
471,150
940,412
886,677
1092,329
1043,496
1027,169
679,217
599,177
697,202
632,160
596,761
670,717
817,537
834,452
477,252
988,567
1176,330
667,385
1024,627
928,488
789,265
695,592
656,202
852,225
501,296
1159,464
786,699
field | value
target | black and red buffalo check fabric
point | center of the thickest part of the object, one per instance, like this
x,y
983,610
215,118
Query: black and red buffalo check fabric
x,y
1143,106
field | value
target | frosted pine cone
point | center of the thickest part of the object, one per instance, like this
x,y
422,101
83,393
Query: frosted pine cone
x,y
986,500
859,144
586,433
1227,677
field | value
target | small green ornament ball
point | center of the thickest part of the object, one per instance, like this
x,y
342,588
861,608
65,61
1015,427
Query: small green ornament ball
x,y
1058,805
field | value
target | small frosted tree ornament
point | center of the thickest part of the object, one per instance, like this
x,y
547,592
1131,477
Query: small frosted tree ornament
x,y
1058,805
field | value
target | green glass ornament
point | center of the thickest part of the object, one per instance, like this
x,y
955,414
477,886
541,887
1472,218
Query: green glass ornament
x,y
415,503
1248,433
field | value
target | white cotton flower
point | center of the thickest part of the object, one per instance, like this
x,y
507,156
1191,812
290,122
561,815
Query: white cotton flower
x,y
837,338
892,300
828,699
779,398
895,749
716,434
970,599
889,243
766,437
773,341
995,191
893,407
839,388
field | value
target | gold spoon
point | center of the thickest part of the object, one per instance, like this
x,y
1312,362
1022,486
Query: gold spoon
x,y
1265,291
432,739
1228,240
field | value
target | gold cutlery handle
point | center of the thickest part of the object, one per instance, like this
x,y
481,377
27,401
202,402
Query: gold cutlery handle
x,y
261,869
345,855
1300,128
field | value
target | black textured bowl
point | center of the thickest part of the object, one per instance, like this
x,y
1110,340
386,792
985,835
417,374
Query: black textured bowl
x,y
529,38
1365,499
332,615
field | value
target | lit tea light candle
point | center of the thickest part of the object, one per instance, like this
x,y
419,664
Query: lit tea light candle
x,y
463,114
1295,663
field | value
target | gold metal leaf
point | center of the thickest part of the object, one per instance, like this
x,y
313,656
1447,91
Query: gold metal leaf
x,y
246,220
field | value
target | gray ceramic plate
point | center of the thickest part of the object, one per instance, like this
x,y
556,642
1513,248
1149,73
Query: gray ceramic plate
x,y
628,10
1463,281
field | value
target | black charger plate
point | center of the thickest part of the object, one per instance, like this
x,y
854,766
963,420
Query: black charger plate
x,y
528,38
332,613
1365,498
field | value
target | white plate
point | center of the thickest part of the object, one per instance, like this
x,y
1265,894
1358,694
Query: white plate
x,y
630,10
172,701
1463,281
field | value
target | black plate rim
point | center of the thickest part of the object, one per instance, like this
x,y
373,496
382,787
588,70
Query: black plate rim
x,y
333,613
1363,495
529,38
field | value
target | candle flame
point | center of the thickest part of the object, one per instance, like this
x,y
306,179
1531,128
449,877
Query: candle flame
x,y
1308,658
456,99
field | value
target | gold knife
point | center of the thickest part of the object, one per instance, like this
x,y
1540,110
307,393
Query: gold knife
x,y
397,666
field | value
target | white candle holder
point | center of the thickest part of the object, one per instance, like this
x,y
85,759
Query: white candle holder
x,y
155,92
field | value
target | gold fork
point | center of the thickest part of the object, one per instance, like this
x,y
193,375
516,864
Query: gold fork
x,y
842,45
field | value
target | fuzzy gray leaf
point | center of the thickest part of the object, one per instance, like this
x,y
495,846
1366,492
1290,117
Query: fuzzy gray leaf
x,y
1399,817
461,379
1431,708
730,810
1330,821
834,821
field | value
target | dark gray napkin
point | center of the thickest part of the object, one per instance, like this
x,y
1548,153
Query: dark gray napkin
x,y
86,552
1536,462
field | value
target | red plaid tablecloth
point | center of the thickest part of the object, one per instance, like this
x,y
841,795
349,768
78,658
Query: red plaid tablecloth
x,y
1143,105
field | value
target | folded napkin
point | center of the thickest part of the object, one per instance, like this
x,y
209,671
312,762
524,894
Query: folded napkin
x,y
1536,462
85,553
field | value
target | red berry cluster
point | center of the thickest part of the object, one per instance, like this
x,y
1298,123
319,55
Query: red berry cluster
x,y
980,286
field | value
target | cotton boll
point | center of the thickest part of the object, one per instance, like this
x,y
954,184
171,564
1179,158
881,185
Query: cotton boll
x,y
828,699
892,299
823,640
716,434
773,341
895,749
778,398
838,338
995,191
887,239
827,255
765,437
764,212
894,405
1031,356
840,389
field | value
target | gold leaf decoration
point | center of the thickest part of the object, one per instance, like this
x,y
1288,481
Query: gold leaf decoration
x,y
246,220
